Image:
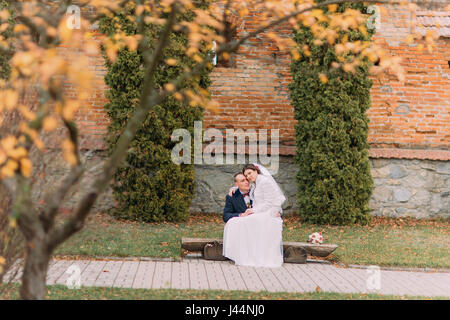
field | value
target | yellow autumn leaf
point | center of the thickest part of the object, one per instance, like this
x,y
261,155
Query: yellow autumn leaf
x,y
70,158
139,10
91,48
65,33
323,78
410,39
318,42
29,115
8,143
171,62
213,106
12,222
17,153
4,14
131,43
332,7
19,28
67,145
4,26
8,169
49,123
335,65
2,260
11,98
111,53
26,167
70,107
69,152
199,59
38,143
3,157
348,67
169,87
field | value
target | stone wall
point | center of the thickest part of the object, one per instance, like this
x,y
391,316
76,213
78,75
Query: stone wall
x,y
402,187
417,188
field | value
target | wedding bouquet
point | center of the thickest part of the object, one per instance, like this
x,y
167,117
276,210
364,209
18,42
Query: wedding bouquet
x,y
316,237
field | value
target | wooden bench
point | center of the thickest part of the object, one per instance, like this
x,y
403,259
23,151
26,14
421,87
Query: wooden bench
x,y
294,252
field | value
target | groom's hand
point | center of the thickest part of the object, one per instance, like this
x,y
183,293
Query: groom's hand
x,y
246,213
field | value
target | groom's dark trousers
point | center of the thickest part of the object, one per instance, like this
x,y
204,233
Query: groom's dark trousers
x,y
234,205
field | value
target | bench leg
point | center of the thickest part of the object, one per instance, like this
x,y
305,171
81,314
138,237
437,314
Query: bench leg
x,y
213,251
295,255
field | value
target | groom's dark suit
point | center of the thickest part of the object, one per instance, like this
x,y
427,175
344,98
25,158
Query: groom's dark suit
x,y
234,205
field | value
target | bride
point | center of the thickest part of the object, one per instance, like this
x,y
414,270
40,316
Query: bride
x,y
256,240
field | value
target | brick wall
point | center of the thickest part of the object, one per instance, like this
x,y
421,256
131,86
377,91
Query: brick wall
x,y
253,93
413,115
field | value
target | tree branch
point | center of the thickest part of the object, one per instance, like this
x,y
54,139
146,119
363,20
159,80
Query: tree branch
x,y
55,200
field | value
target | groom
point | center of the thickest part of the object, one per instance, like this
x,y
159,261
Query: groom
x,y
239,204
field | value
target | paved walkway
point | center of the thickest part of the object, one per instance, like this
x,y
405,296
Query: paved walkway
x,y
224,275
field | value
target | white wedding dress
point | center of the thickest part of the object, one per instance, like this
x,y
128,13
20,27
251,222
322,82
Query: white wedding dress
x,y
256,240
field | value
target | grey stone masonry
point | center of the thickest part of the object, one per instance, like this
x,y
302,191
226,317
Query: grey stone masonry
x,y
402,187
410,188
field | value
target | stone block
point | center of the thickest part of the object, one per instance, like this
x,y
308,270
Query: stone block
x,y
401,195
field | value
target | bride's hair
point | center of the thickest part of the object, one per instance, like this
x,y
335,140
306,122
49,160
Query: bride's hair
x,y
251,167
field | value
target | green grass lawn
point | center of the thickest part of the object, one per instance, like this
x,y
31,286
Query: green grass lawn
x,y
385,242
59,292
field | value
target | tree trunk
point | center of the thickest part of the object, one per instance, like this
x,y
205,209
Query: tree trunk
x,y
35,271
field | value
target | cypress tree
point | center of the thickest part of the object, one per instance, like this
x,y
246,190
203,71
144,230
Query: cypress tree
x,y
334,181
149,187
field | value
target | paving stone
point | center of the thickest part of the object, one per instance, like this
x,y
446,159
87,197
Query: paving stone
x,y
288,282
342,279
391,278
162,276
91,273
126,274
15,272
233,277
305,281
57,270
216,278
180,276
360,277
319,277
197,276
269,280
108,274
251,279
74,270
144,275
